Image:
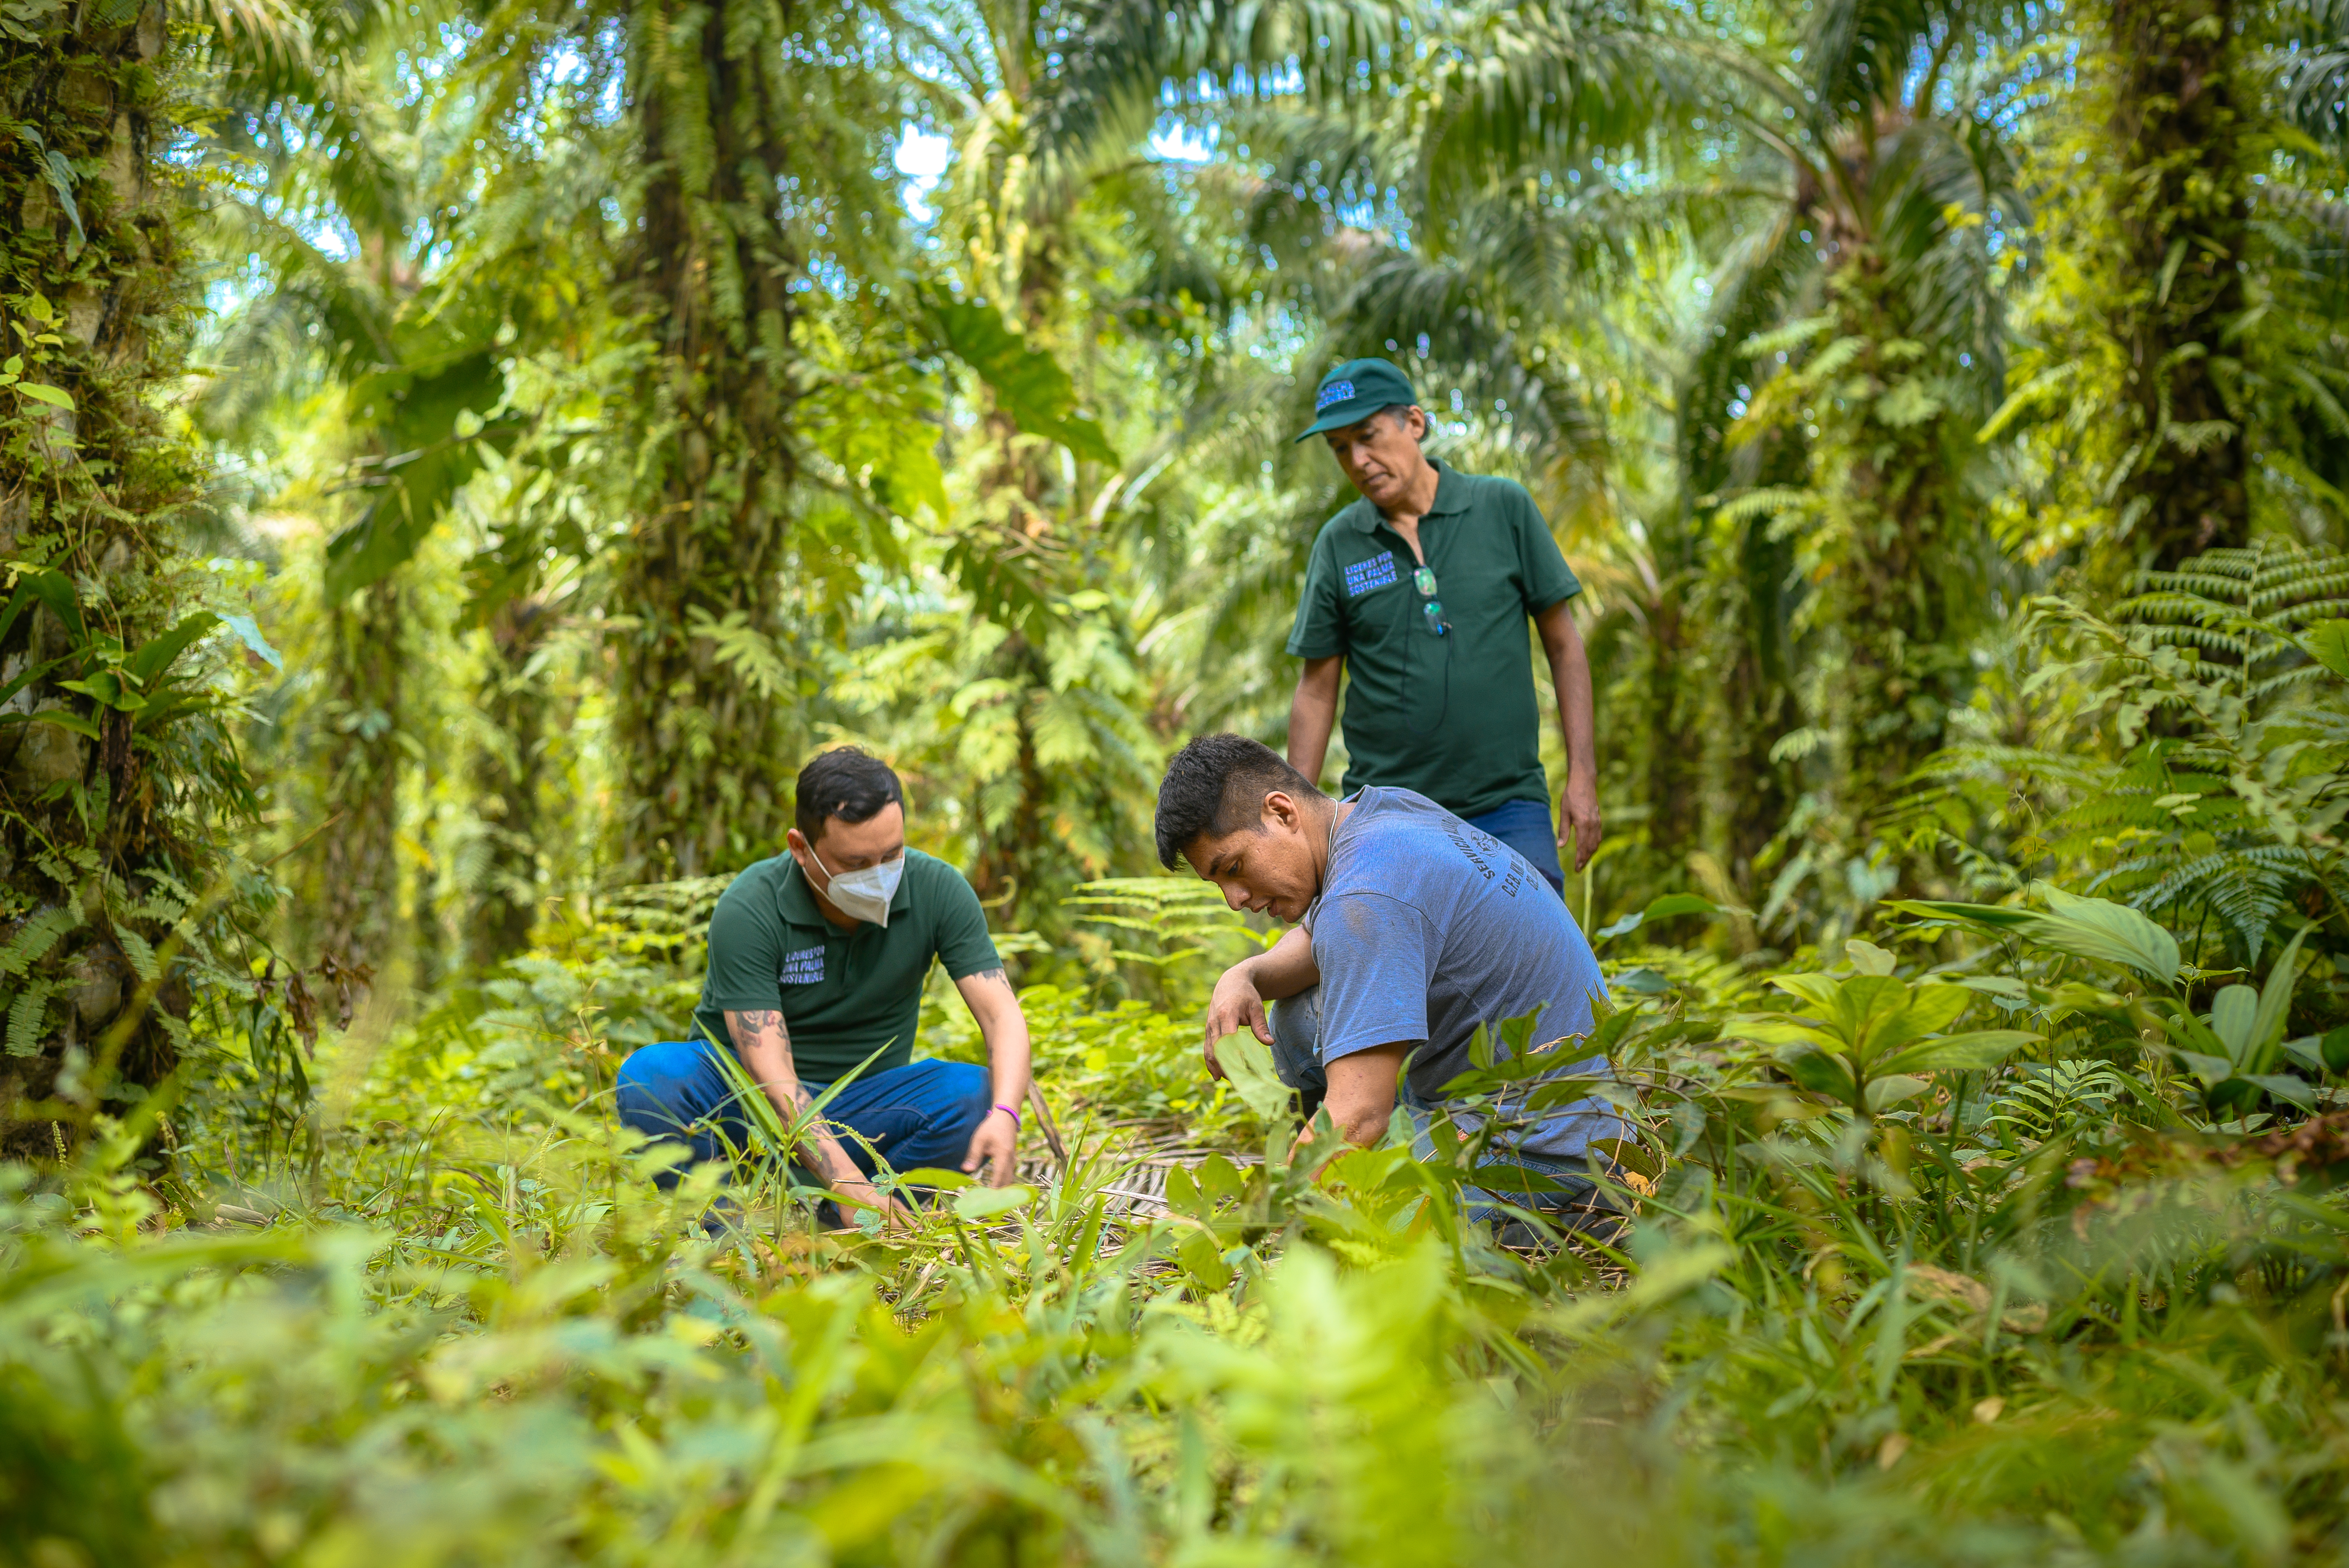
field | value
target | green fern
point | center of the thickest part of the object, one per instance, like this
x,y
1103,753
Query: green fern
x,y
2220,811
2040,1098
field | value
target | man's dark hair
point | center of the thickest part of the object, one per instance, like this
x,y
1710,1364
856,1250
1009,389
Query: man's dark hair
x,y
1216,786
850,784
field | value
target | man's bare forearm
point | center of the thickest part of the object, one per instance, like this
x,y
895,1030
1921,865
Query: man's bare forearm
x,y
996,1008
1312,716
1285,968
1569,676
763,1045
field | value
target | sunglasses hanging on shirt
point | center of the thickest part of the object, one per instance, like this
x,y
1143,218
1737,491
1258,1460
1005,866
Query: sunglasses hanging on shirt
x,y
1424,581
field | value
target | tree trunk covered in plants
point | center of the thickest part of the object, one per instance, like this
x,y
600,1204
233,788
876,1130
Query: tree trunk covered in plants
x,y
2183,218
508,772
704,756
1673,754
1886,469
1753,700
359,851
104,791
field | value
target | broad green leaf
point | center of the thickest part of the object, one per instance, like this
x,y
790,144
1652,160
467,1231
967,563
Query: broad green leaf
x,y
1867,958
931,1176
2275,1002
2327,643
248,632
1894,1087
1933,1007
2334,1048
153,657
1996,916
1182,1194
1774,1029
1867,1008
1822,990
1675,903
1821,1073
2099,928
1248,1062
2084,927
2233,1011
106,687
1219,1178
982,1203
1202,1260
66,719
2285,1087
1968,1052
60,176
40,393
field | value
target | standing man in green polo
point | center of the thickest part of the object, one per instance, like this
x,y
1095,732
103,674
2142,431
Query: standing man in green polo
x,y
817,959
1421,591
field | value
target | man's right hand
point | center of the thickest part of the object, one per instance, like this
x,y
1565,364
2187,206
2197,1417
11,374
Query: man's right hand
x,y
1235,1005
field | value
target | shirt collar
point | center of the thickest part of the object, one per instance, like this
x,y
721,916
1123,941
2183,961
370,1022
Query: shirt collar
x,y
1451,495
797,899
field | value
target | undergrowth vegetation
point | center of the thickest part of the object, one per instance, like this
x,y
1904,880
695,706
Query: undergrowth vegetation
x,y
2011,1233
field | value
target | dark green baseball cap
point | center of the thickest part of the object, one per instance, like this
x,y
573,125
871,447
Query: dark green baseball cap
x,y
1354,391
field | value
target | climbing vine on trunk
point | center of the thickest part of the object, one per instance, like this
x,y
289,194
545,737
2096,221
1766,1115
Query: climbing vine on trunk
x,y
112,768
706,752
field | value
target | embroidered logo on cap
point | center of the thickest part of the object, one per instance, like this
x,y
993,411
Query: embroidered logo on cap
x,y
1335,392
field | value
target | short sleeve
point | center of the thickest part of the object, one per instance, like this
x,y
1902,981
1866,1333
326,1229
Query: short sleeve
x,y
746,952
1541,564
1376,955
964,946
1320,629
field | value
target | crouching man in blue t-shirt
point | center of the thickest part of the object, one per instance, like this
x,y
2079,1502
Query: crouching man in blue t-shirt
x,y
1413,928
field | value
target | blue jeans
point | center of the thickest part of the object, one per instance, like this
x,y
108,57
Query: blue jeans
x,y
1571,1198
1527,827
921,1114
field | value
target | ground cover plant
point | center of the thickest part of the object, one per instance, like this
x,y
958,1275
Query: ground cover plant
x,y
2007,1236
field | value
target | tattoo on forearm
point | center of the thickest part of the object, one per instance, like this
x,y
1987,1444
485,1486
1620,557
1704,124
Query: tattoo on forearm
x,y
994,974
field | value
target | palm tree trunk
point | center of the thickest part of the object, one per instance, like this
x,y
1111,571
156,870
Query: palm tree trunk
x,y
96,811
508,772
2182,213
704,755
359,864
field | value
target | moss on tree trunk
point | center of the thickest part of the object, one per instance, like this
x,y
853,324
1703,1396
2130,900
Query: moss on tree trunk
x,y
103,841
705,754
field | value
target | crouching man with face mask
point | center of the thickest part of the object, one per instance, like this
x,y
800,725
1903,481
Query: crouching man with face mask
x,y
1413,928
817,959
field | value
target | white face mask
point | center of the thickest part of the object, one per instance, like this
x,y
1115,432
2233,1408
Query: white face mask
x,y
862,895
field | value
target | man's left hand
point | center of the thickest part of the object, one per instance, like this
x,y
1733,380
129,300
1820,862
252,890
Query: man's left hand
x,y
1577,819
995,1145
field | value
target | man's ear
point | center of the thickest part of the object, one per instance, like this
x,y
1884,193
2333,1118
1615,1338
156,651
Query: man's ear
x,y
1281,810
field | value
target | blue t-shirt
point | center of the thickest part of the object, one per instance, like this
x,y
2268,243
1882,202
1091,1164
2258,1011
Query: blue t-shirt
x,y
1427,927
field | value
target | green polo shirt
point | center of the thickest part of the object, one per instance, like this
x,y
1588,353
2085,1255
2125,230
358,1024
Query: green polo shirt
x,y
1453,717
843,994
